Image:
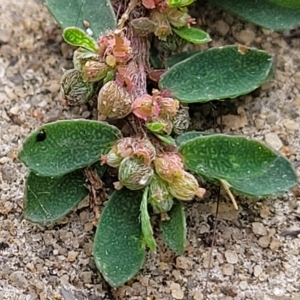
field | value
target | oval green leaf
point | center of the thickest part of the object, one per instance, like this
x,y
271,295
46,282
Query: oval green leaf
x,y
192,35
61,147
218,73
274,16
119,250
287,3
250,167
100,15
174,229
48,199
176,58
146,224
189,136
77,37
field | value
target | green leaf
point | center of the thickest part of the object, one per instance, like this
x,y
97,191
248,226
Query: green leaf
x,y
61,147
166,139
192,35
48,199
176,58
287,3
118,246
264,13
179,3
155,127
100,14
146,224
248,166
218,73
77,37
99,168
189,136
174,229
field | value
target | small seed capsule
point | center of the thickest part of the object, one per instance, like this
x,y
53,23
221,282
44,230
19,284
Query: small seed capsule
x,y
114,101
134,174
74,89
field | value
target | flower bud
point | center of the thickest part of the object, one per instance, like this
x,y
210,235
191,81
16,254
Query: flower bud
x,y
145,107
168,106
81,56
122,149
168,166
142,26
94,71
74,89
159,195
134,174
185,187
163,28
179,18
144,150
122,50
160,125
114,101
181,121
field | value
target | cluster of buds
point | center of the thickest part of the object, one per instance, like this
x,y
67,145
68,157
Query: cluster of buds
x,y
134,157
108,66
180,184
164,15
158,111
139,166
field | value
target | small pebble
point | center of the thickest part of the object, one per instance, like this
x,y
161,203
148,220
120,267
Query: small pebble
x,y
86,277
5,35
184,263
246,37
198,296
227,269
231,257
273,140
243,285
257,270
264,241
222,27
72,255
259,228
18,279
176,291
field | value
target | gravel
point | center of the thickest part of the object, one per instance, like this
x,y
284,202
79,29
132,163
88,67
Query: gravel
x,y
250,259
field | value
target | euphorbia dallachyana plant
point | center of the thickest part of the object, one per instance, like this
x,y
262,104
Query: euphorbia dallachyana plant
x,y
158,160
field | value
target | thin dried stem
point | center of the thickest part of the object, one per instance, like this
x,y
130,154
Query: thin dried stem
x,y
225,186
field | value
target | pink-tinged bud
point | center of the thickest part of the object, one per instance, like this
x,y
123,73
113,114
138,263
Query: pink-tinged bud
x,y
168,166
144,150
185,187
159,195
168,106
114,101
145,107
181,121
121,50
94,71
74,89
134,174
122,149
163,28
116,45
160,125
149,4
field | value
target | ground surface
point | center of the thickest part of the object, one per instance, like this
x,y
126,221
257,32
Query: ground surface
x,y
251,259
